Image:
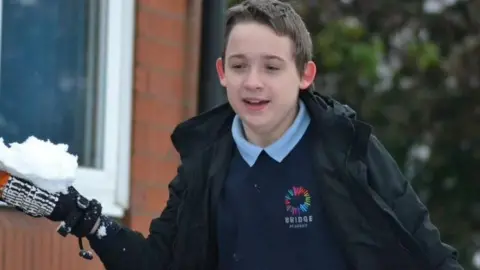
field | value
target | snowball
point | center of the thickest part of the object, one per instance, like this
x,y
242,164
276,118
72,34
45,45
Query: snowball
x,y
46,165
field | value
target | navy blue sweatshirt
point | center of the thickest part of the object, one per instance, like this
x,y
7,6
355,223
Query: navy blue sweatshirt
x,y
270,216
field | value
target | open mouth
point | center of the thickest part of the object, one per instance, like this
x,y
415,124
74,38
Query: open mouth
x,y
256,104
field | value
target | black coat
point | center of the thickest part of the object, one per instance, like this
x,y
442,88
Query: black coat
x,y
376,214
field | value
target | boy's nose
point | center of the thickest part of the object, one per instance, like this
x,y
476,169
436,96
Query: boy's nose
x,y
252,81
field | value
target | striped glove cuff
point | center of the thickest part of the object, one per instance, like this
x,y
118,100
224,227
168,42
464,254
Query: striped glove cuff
x,y
28,198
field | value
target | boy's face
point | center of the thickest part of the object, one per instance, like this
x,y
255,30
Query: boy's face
x,y
261,77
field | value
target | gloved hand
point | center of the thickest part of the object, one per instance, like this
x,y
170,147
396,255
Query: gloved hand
x,y
78,214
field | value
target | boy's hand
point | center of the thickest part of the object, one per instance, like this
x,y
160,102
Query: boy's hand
x,y
78,214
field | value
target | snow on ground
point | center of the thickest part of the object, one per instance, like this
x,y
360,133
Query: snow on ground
x,y
47,165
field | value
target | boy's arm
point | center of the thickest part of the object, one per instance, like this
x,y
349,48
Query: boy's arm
x,y
125,249
118,247
387,179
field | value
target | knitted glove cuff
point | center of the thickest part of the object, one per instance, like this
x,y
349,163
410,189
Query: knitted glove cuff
x,y
30,199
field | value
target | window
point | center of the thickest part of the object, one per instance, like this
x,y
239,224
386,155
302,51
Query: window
x,y
66,75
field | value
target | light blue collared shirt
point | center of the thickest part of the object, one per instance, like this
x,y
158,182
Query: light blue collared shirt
x,y
279,149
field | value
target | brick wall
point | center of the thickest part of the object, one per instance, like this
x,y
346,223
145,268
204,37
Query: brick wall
x,y
165,93
166,63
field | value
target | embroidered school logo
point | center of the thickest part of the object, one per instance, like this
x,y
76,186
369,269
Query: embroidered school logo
x,y
297,200
297,204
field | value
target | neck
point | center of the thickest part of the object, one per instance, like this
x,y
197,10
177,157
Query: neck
x,y
265,138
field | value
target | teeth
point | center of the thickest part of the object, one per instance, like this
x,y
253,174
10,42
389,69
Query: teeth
x,y
254,101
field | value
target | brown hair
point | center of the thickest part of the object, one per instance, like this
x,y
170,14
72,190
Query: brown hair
x,y
280,17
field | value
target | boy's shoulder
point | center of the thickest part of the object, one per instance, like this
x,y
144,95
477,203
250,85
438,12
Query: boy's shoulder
x,y
202,130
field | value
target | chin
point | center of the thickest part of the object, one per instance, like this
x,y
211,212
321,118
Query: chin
x,y
256,122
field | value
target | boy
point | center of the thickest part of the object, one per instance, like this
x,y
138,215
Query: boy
x,y
278,178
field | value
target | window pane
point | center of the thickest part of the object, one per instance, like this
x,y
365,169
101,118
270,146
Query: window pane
x,y
49,74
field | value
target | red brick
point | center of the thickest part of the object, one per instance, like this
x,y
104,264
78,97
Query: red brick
x,y
160,142
156,112
148,199
152,172
28,243
160,26
166,85
151,140
141,79
172,7
140,144
157,54
166,34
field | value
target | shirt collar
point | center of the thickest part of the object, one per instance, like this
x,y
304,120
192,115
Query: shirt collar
x,y
280,148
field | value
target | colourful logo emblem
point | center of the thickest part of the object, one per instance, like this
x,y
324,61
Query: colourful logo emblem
x,y
297,200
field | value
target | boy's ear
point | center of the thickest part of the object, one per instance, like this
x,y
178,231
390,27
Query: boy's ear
x,y
308,75
220,71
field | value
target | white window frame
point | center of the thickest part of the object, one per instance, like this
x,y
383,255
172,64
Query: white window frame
x,y
111,184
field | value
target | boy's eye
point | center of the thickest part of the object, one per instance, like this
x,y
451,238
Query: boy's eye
x,y
238,66
272,68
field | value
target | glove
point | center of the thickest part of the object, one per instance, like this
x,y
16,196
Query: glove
x,y
78,214
27,198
